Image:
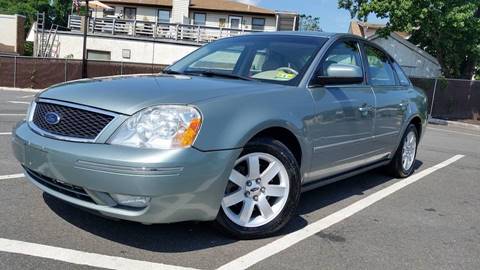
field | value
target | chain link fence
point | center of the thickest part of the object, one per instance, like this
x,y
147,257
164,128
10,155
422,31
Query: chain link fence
x,y
39,73
449,99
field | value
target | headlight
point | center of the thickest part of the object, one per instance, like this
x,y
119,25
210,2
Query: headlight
x,y
31,111
160,127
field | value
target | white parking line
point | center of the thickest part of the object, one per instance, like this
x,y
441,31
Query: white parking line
x,y
5,133
11,176
456,132
291,239
19,102
80,257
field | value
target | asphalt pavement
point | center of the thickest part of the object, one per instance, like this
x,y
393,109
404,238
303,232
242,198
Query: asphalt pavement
x,y
371,221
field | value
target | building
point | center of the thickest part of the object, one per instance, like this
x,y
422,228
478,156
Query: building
x,y
158,31
12,38
414,61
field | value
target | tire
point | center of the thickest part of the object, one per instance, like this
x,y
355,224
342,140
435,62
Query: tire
x,y
397,168
251,192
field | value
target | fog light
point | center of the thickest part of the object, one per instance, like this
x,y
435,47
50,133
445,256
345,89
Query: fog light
x,y
131,201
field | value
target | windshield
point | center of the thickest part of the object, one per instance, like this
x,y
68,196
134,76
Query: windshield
x,y
276,59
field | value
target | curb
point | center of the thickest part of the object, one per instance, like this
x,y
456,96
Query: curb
x,y
29,90
442,122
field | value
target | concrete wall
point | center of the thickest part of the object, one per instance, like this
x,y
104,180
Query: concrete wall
x,y
140,51
12,34
414,61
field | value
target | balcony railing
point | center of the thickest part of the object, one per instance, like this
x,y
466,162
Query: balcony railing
x,y
154,30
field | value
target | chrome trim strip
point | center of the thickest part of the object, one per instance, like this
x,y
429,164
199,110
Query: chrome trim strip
x,y
354,141
47,134
117,169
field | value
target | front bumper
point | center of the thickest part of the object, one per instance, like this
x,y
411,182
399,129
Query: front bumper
x,y
185,184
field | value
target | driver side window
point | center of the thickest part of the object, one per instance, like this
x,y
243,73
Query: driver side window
x,y
343,53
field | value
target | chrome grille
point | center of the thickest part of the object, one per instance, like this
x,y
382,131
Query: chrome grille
x,y
59,186
74,122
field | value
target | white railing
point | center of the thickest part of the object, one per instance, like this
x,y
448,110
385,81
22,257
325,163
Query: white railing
x,y
145,29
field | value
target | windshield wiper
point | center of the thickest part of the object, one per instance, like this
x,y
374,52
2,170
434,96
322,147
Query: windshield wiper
x,y
173,72
210,73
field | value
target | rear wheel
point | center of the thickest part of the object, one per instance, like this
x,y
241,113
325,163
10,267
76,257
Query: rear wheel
x,y
402,164
262,192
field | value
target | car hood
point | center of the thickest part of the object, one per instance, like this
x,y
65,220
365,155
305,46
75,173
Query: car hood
x,y
129,94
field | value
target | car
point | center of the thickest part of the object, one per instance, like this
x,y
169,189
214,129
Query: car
x,y
233,132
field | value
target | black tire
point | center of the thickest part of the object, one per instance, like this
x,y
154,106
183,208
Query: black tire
x,y
395,168
285,156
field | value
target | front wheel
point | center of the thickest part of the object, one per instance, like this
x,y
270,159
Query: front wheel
x,y
402,164
262,192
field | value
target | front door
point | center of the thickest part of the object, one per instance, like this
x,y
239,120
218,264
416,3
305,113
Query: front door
x,y
235,22
342,132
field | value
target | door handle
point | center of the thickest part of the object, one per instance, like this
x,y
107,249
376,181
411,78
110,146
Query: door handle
x,y
365,108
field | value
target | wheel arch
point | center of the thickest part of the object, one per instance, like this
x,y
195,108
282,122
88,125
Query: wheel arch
x,y
285,136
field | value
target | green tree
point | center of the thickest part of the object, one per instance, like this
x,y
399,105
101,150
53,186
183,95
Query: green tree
x,y
309,23
447,29
56,10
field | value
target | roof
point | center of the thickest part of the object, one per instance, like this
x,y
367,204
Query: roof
x,y
300,33
208,5
358,28
409,45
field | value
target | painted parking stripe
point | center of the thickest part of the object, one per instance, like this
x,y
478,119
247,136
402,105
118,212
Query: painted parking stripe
x,y
291,239
5,133
19,102
455,132
80,257
12,114
11,176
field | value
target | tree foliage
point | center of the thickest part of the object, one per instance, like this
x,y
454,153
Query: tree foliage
x,y
447,29
56,10
309,23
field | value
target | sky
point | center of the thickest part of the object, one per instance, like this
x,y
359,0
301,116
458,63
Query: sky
x,y
332,19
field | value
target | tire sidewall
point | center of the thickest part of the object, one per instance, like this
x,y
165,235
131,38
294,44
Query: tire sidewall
x,y
282,153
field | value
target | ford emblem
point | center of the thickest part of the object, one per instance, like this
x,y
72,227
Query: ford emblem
x,y
52,118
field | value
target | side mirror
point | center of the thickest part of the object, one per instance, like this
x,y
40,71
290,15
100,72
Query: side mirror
x,y
340,74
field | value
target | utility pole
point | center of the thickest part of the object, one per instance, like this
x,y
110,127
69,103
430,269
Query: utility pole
x,y
85,32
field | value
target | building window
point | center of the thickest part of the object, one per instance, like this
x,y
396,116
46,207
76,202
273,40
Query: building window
x,y
258,24
222,22
199,18
109,12
126,53
98,55
163,16
130,13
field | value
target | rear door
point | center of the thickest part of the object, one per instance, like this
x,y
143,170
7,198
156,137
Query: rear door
x,y
391,98
342,129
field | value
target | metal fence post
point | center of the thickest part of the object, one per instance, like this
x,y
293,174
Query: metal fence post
x,y
433,97
15,72
65,71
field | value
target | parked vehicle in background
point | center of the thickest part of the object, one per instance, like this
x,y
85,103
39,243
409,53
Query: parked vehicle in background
x,y
233,132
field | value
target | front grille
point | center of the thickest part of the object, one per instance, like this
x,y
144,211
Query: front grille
x,y
74,122
62,187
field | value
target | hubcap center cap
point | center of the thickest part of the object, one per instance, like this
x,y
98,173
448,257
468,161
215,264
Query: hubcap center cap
x,y
254,189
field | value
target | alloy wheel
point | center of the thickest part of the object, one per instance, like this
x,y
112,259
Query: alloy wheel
x,y
257,190
409,150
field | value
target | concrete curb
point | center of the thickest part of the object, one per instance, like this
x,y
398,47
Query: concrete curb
x,y
442,122
29,90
